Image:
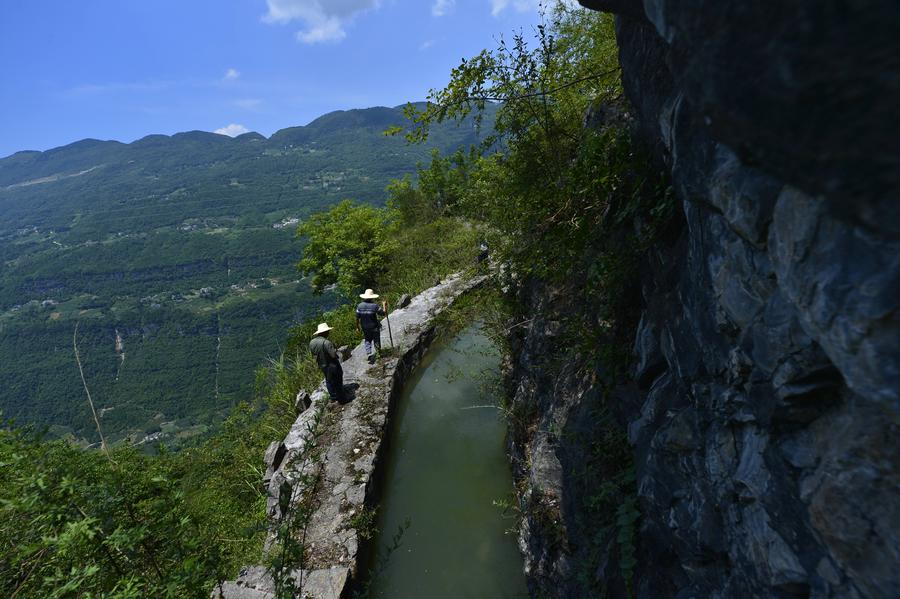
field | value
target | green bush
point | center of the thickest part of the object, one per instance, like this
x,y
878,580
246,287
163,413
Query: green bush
x,y
74,523
348,246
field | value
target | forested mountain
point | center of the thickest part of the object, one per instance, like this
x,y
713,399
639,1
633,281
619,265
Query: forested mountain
x,y
176,257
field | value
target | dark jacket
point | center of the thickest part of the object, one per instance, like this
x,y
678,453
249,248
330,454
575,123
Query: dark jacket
x,y
367,314
324,351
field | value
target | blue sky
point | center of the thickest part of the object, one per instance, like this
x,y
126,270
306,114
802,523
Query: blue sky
x,y
122,69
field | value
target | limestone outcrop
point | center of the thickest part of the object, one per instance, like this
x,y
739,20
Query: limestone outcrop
x,y
764,405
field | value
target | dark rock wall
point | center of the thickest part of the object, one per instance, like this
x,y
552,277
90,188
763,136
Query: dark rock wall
x,y
766,399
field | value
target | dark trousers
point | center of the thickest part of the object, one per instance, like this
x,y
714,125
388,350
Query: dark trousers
x,y
334,381
372,337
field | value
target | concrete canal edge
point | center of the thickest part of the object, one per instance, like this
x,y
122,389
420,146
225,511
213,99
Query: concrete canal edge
x,y
332,458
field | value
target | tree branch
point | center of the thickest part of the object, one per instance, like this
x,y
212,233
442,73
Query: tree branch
x,y
536,94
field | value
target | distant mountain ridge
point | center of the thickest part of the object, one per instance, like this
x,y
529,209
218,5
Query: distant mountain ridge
x,y
351,138
378,117
183,246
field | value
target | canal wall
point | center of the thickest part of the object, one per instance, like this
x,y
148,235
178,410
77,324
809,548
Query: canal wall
x,y
322,479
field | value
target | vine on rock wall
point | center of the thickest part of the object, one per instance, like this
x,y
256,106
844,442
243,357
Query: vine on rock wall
x,y
570,203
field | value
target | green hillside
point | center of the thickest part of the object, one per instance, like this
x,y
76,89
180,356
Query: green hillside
x,y
176,256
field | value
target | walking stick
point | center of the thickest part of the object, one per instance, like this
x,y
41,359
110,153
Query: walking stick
x,y
388,319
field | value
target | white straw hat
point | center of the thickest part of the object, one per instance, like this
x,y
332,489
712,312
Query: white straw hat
x,y
323,328
369,294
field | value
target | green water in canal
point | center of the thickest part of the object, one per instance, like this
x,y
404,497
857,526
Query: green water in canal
x,y
445,467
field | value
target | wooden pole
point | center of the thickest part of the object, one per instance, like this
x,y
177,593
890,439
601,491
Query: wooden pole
x,y
388,319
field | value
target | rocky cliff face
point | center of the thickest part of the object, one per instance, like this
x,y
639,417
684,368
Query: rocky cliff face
x,y
764,404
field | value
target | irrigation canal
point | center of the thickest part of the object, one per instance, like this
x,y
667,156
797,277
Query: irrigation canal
x,y
446,470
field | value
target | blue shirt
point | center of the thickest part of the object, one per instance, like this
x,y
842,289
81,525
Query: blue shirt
x,y
367,314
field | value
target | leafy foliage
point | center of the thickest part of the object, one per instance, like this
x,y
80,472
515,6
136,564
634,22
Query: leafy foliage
x,y
349,245
173,524
563,198
552,182
402,248
74,523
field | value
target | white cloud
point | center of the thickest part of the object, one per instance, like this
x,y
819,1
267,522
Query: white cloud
x,y
324,19
442,7
426,44
329,30
232,130
231,74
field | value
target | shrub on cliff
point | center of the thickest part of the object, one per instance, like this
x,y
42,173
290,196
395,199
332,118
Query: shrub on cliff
x,y
74,523
561,195
402,248
347,246
545,183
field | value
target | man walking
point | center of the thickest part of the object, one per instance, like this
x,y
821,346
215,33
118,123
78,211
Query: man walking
x,y
329,362
367,313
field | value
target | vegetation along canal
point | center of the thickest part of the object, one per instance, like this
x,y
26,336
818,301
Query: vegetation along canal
x,y
446,469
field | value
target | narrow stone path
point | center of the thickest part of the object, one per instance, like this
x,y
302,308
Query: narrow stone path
x,y
330,459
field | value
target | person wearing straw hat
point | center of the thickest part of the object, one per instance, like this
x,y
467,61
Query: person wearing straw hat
x,y
367,313
327,358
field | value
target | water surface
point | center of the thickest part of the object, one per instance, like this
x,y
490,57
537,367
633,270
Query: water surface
x,y
445,467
